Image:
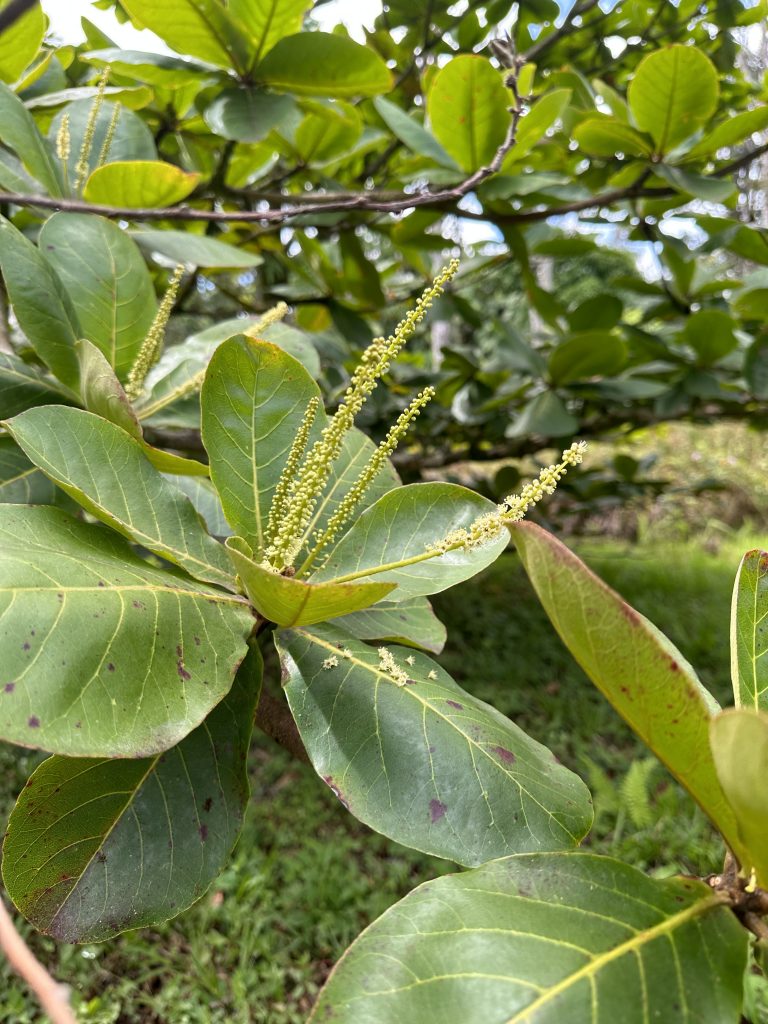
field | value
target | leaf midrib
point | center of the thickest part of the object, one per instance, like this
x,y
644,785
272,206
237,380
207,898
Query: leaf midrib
x,y
428,706
668,925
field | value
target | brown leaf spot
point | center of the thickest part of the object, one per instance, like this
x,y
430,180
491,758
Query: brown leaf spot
x,y
455,704
506,755
203,830
33,722
110,667
328,780
208,805
437,810
183,674
9,687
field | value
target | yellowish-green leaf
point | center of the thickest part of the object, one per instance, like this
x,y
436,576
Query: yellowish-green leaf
x,y
139,183
200,28
267,21
101,392
749,632
321,64
740,748
291,602
673,93
633,665
467,107
20,42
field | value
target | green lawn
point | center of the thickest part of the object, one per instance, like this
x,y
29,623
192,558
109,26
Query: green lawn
x,y
306,877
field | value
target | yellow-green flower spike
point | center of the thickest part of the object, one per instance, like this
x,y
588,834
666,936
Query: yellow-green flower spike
x,y
488,526
287,479
63,139
152,345
369,473
82,168
272,316
316,469
110,136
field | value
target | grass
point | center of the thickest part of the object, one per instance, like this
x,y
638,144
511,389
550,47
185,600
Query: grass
x,y
306,877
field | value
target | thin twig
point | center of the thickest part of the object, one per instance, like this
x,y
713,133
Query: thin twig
x,y
52,996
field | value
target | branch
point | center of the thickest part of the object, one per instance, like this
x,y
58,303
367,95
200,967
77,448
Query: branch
x,y
52,996
13,11
274,718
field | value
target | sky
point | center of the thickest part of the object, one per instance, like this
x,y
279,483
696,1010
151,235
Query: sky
x,y
65,21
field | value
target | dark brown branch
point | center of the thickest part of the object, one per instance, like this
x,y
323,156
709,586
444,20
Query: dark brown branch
x,y
273,717
13,11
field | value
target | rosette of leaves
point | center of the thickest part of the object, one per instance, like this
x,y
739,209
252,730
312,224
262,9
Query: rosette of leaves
x,y
132,636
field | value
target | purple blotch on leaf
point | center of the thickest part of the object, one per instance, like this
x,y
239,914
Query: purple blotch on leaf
x,y
437,810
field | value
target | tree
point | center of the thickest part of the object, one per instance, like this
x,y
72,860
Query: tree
x,y
170,514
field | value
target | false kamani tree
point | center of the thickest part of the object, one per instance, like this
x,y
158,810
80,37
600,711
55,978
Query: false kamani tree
x,y
132,627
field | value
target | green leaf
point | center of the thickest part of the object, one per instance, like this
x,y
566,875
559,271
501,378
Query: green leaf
x,y
253,401
545,938
755,368
22,483
267,21
139,184
410,622
467,107
710,333
195,250
749,632
106,471
545,416
598,312
154,68
739,740
326,135
391,541
291,602
131,139
607,136
412,134
200,28
673,92
545,112
247,114
18,132
23,386
587,354
42,306
203,496
730,132
20,42
102,393
716,190
107,281
633,665
422,761
752,304
100,652
321,64
84,832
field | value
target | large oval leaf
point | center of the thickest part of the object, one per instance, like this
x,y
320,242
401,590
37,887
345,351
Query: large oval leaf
x,y
194,250
139,183
544,939
633,665
20,42
291,602
84,832
248,114
19,132
391,541
200,28
321,64
672,93
266,21
42,306
467,107
739,739
130,137
749,631
253,401
107,472
410,622
415,757
102,654
107,281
